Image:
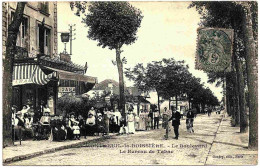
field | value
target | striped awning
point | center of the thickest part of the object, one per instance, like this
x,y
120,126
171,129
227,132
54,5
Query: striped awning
x,y
30,74
73,76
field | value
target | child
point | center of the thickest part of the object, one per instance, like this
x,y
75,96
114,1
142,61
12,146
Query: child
x,y
100,125
123,127
76,130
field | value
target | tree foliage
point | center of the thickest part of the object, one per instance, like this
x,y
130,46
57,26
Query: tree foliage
x,y
170,78
113,24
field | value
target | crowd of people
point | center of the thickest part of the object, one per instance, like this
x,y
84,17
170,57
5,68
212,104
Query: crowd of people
x,y
41,125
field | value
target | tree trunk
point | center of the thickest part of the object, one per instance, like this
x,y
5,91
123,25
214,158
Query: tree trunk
x,y
203,108
13,29
158,102
228,99
241,95
235,103
169,103
189,104
176,101
121,82
251,59
243,116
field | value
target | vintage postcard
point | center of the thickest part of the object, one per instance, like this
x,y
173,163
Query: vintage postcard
x,y
129,83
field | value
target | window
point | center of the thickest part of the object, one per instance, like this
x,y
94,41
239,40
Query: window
x,y
44,7
44,40
23,35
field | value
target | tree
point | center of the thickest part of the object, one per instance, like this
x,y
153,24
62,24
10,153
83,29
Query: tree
x,y
175,80
170,78
252,82
13,29
242,17
147,78
114,24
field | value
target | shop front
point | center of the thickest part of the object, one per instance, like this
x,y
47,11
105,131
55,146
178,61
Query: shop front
x,y
37,82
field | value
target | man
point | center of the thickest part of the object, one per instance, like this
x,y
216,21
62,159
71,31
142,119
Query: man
x,y
156,118
209,110
165,125
176,116
151,116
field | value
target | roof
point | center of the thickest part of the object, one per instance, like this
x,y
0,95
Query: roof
x,y
104,84
59,64
133,91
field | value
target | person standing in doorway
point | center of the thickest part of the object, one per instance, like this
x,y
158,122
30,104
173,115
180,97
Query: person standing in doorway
x,y
176,116
156,118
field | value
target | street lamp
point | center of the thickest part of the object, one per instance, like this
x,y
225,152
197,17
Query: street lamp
x,y
65,37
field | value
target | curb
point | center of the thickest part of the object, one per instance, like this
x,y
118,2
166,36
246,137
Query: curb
x,y
217,131
35,154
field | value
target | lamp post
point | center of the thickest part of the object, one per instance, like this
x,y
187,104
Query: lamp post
x,y
65,37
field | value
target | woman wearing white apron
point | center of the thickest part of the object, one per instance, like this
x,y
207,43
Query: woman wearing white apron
x,y
131,123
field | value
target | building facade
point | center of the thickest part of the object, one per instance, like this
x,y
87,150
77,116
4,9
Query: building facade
x,y
38,31
40,74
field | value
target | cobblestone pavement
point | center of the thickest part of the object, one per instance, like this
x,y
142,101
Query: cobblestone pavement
x,y
214,142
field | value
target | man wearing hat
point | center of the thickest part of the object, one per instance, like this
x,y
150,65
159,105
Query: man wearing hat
x,y
176,116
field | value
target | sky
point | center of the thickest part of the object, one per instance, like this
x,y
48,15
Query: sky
x,y
168,30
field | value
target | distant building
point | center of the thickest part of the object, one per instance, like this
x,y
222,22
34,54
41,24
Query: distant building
x,y
110,89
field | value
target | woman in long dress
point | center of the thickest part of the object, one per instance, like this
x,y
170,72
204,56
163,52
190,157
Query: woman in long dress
x,y
106,119
131,122
141,121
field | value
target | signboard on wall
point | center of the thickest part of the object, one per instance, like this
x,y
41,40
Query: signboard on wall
x,y
67,89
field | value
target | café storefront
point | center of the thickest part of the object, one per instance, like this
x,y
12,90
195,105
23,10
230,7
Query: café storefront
x,y
44,79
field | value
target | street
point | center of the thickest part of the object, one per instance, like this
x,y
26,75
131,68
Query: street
x,y
150,148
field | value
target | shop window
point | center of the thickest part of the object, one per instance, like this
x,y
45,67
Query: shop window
x,y
44,40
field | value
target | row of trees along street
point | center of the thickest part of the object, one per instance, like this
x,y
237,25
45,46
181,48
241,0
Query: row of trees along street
x,y
241,82
171,78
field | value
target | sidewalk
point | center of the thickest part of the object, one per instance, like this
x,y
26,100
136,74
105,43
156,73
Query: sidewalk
x,y
230,147
31,148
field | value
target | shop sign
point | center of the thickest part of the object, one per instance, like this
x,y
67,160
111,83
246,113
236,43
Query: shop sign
x,y
22,82
214,49
67,89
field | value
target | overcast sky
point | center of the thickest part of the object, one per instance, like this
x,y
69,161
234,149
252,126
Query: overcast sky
x,y
168,30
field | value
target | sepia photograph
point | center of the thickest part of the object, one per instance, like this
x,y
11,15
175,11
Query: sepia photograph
x,y
129,83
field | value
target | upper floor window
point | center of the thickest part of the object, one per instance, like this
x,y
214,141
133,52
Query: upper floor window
x,y
44,7
44,40
23,34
